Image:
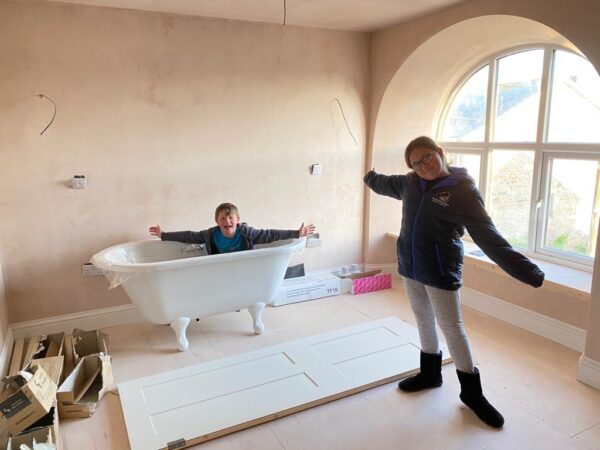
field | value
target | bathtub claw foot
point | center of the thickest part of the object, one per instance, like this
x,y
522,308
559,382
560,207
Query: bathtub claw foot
x,y
179,326
256,311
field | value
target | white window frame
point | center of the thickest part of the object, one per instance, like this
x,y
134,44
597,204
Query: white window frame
x,y
544,204
542,149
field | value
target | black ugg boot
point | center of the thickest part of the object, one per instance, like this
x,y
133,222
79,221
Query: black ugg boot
x,y
429,377
472,396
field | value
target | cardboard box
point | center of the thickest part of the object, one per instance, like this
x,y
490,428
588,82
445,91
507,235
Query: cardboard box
x,y
309,287
354,275
45,430
81,391
25,398
53,367
88,343
26,350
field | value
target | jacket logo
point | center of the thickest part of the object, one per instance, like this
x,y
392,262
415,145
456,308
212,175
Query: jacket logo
x,y
442,198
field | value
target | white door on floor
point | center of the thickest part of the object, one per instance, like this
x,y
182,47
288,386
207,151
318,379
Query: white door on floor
x,y
193,404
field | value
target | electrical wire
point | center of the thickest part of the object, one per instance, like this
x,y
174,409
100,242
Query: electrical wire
x,y
284,12
344,116
53,115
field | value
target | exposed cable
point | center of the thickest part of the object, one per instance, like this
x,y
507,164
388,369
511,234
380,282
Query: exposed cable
x,y
284,12
344,116
53,115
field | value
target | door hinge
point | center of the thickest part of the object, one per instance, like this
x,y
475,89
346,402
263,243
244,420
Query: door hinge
x,y
179,443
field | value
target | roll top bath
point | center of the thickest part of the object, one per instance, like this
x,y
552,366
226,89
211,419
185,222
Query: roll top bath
x,y
170,282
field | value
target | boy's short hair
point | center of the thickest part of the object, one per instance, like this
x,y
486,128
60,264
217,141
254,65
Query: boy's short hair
x,y
229,208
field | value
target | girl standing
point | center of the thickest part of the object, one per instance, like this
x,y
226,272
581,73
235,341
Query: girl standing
x,y
438,203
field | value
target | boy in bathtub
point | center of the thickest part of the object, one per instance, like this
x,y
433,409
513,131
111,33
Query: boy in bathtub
x,y
229,235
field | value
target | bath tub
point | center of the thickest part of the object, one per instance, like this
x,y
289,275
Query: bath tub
x,y
171,283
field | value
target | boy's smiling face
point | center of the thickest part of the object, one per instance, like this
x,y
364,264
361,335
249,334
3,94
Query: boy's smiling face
x,y
227,223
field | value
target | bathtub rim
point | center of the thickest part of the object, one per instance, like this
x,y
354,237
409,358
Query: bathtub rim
x,y
99,259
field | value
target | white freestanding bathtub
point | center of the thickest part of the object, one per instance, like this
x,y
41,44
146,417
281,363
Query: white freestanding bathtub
x,y
171,282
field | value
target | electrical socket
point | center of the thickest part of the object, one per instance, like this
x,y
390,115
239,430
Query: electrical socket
x,y
89,270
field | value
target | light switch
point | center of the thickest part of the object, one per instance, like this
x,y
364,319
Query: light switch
x,y
79,182
316,169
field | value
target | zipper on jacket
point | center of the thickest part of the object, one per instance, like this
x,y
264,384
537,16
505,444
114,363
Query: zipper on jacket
x,y
413,239
439,259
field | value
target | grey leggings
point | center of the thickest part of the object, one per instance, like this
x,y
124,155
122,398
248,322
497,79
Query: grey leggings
x,y
428,304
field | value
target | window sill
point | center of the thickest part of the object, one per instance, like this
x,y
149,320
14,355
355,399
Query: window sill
x,y
557,275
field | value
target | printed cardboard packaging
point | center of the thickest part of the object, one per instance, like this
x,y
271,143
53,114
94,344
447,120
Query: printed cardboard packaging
x,y
308,287
52,365
25,398
45,430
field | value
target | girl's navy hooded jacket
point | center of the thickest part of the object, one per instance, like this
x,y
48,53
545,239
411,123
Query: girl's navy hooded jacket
x,y
433,221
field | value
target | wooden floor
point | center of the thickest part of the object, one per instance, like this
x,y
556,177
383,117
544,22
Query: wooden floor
x,y
531,380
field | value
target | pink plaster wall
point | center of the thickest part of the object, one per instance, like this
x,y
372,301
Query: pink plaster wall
x,y
167,116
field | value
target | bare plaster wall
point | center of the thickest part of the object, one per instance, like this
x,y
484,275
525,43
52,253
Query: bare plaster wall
x,y
167,116
409,80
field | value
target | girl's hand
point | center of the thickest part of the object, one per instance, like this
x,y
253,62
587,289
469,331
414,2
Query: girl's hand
x,y
306,230
155,230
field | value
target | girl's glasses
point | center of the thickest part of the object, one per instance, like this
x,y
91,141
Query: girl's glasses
x,y
417,165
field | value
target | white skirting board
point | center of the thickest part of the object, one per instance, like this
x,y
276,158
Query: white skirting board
x,y
87,320
190,405
589,372
555,330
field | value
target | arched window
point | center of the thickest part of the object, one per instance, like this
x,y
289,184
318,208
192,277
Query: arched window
x,y
526,125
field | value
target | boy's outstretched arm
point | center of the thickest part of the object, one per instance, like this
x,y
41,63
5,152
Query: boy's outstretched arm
x,y
307,230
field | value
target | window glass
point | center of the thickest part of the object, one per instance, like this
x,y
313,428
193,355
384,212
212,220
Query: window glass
x,y
518,96
465,120
510,194
470,161
574,101
573,201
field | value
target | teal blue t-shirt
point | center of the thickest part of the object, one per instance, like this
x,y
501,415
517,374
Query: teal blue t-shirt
x,y
227,245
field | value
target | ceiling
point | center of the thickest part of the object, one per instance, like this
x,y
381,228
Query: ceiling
x,y
349,15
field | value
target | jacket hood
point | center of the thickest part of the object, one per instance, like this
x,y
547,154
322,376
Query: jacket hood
x,y
457,175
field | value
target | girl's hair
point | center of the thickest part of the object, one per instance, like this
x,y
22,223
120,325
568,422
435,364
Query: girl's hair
x,y
422,142
229,208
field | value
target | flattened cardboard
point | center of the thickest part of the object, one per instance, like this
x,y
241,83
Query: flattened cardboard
x,y
69,357
85,386
26,401
88,343
16,360
33,348
368,273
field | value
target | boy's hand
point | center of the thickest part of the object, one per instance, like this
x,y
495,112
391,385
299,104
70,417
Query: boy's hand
x,y
155,230
306,230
